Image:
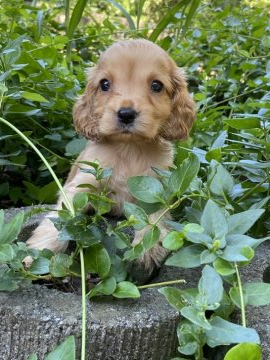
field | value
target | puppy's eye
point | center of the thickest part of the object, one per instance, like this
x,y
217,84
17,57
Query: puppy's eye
x,y
156,86
105,84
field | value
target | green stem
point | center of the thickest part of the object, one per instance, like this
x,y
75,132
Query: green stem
x,y
68,204
67,18
83,343
172,282
250,191
242,303
169,208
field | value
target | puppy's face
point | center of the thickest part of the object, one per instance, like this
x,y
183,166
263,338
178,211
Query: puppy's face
x,y
134,92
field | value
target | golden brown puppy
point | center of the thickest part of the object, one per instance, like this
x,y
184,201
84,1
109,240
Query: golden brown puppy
x,y
136,102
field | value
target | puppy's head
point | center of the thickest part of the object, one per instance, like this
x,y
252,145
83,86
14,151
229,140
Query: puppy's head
x,y
135,91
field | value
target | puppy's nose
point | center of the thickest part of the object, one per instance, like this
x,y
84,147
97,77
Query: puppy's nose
x,y
126,115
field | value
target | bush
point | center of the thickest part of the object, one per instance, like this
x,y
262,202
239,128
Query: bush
x,y
225,162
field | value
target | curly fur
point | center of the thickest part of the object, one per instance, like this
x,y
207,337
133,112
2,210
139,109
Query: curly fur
x,y
130,66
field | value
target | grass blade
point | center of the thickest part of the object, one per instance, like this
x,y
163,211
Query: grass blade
x,y
165,20
76,17
126,14
139,7
193,7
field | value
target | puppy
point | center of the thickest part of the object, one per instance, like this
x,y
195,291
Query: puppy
x,y
135,103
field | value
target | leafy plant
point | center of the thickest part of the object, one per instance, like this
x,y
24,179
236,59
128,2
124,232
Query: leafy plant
x,y
217,237
215,194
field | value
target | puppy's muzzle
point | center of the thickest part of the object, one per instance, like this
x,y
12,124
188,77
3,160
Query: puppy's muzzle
x,y
126,115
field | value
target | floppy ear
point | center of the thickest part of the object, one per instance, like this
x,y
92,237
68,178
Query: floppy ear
x,y
183,109
84,117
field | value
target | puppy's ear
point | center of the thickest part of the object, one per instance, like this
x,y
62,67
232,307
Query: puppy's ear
x,y
84,116
183,109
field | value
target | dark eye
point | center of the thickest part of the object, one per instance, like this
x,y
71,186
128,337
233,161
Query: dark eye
x,y
104,84
156,86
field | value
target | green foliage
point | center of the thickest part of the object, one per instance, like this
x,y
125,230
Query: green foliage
x,y
247,351
218,192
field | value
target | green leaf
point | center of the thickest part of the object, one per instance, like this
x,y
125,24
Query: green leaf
x,y
193,7
85,236
126,14
10,231
6,253
118,268
173,241
105,287
138,213
193,228
196,317
258,294
60,264
166,19
199,238
174,297
65,351
243,123
188,338
97,260
187,257
181,178
247,351
135,252
235,296
76,17
214,154
151,237
236,254
34,96
39,23
11,280
207,257
40,266
210,285
223,267
225,333
214,221
75,146
80,200
219,179
126,289
226,307
100,203
145,188
240,223
242,240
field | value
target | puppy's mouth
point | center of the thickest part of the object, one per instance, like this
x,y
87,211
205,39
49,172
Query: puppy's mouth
x,y
126,128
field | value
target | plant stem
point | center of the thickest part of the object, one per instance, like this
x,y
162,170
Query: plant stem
x,y
172,282
242,303
171,207
251,191
68,204
67,18
83,343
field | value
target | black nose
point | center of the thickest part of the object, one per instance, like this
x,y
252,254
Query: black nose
x,y
126,115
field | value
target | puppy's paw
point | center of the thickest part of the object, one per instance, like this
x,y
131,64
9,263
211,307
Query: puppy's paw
x,y
147,267
45,237
139,274
27,261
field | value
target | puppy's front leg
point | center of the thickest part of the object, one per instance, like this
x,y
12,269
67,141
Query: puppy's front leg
x,y
45,236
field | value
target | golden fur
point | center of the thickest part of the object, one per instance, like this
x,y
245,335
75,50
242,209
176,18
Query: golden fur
x,y
131,67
